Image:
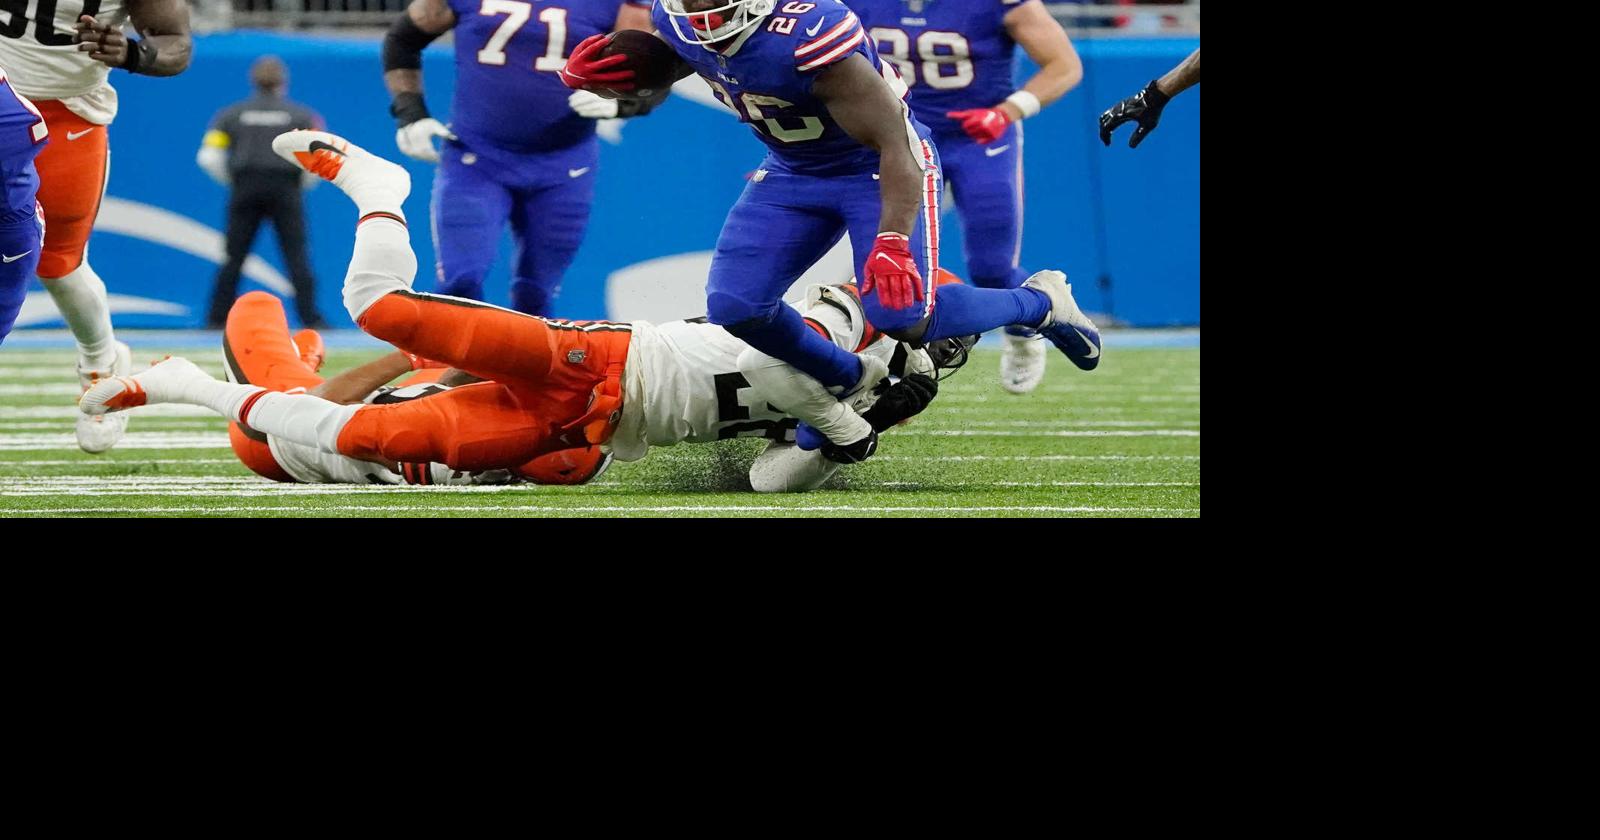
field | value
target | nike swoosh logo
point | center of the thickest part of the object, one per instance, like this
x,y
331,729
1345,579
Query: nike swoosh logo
x,y
17,257
1094,352
73,135
813,30
993,152
573,173
886,257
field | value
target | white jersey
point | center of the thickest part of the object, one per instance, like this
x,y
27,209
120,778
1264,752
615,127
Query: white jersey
x,y
37,51
682,381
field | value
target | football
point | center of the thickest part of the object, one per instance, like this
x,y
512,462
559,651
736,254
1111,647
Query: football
x,y
653,63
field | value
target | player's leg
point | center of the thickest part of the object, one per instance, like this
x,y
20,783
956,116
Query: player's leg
x,y
480,426
987,181
257,349
473,427
73,169
469,210
773,234
923,320
72,177
246,209
21,235
486,341
547,226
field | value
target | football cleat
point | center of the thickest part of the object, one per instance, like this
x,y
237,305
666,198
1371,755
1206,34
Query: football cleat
x,y
163,383
1021,362
1067,327
98,434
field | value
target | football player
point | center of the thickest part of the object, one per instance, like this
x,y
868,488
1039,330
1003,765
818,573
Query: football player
x,y
844,155
60,54
958,57
550,386
520,147
22,134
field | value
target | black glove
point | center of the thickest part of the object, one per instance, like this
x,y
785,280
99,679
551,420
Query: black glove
x,y
906,399
854,453
1143,107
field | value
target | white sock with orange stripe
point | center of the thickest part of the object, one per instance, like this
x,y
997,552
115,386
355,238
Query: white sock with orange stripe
x,y
301,418
80,294
382,262
374,184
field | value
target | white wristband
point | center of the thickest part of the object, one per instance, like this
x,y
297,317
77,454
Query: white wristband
x,y
1026,102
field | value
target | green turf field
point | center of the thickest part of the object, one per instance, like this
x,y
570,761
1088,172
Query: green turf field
x,y
1123,440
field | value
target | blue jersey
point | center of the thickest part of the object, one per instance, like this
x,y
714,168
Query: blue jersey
x,y
508,52
955,54
22,135
766,74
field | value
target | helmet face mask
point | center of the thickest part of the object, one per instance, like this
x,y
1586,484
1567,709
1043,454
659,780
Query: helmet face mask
x,y
710,24
949,354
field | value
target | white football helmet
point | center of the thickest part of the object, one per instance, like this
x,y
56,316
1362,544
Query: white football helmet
x,y
708,26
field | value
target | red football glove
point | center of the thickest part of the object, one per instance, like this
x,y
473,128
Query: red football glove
x,y
891,270
984,125
586,70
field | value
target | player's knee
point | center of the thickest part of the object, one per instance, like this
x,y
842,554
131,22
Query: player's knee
x,y
990,276
393,318
383,433
363,290
910,334
995,274
55,264
738,315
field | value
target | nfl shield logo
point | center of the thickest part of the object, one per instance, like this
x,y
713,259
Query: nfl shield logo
x,y
916,6
576,356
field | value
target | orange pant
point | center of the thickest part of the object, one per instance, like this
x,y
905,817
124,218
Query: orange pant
x,y
72,180
556,385
257,349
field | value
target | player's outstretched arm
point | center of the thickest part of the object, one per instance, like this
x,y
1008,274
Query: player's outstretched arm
x,y
798,395
1186,75
786,468
423,21
164,49
1145,106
